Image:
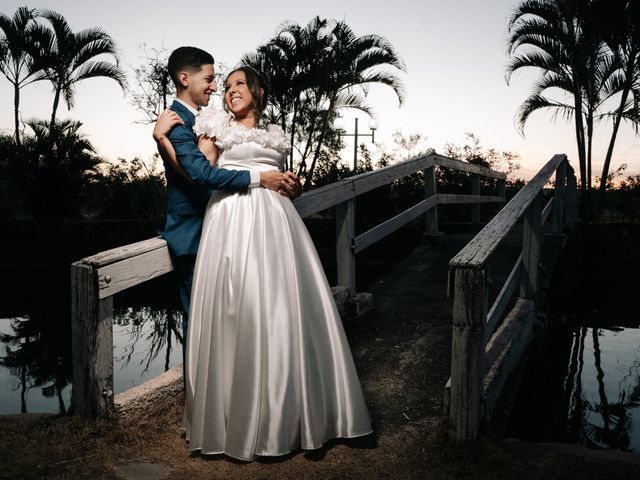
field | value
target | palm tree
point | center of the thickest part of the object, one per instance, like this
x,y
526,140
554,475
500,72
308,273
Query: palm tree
x,y
290,61
56,167
318,69
352,66
16,63
546,34
587,49
621,32
70,57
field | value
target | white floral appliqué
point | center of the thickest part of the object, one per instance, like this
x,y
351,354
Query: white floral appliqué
x,y
214,122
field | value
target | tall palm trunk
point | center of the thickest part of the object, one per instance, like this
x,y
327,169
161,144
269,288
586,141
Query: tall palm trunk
x,y
302,169
56,102
607,160
618,119
323,132
16,105
325,125
582,160
589,158
294,119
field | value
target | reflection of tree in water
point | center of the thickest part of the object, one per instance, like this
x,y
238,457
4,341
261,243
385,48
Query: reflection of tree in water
x,y
38,353
16,359
599,424
164,325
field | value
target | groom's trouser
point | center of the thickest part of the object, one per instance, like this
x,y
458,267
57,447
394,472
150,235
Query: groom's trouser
x,y
184,267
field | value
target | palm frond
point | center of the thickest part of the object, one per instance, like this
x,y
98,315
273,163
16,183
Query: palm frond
x,y
537,102
352,99
100,69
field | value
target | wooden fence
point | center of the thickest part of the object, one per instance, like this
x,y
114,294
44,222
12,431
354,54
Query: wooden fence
x,y
487,345
97,278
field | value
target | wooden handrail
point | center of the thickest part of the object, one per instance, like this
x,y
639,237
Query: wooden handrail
x,y
478,250
487,345
97,278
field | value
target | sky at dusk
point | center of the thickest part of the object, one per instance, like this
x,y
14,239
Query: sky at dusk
x,y
455,54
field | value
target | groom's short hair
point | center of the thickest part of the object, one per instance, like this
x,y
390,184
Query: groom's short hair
x,y
187,58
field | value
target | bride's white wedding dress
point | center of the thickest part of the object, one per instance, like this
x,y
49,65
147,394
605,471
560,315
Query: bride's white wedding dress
x,y
268,365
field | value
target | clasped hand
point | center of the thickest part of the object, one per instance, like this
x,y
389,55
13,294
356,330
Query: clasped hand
x,y
285,183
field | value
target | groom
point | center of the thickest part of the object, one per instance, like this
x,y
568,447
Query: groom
x,y
190,184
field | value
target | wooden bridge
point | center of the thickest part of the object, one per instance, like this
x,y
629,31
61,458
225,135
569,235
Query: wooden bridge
x,y
487,344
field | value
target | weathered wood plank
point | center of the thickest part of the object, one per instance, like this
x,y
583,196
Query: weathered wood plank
x,y
572,199
548,209
323,198
475,190
500,304
460,199
120,253
115,277
559,199
502,187
468,167
330,195
92,344
368,181
430,189
504,354
382,230
531,241
345,255
478,250
467,351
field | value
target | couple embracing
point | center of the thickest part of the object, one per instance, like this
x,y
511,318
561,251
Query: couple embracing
x,y
267,365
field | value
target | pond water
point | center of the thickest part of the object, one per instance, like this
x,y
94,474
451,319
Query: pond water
x,y
603,388
582,383
35,374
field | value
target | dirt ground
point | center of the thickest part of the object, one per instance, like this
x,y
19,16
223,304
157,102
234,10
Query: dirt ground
x,y
402,351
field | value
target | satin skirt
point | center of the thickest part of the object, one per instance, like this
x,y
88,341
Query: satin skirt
x,y
268,365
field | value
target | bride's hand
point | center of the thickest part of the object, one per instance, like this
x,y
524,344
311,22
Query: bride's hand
x,y
283,183
295,186
209,148
166,121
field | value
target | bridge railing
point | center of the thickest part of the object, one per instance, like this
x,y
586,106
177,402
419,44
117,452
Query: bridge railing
x,y
97,278
486,344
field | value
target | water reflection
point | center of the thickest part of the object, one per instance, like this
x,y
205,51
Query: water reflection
x,y
603,388
147,342
38,356
36,360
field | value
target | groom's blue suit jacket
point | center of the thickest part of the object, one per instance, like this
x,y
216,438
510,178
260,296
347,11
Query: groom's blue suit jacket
x,y
186,200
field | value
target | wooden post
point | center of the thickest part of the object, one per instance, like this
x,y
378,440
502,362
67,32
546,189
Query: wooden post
x,y
475,190
532,236
467,351
559,198
92,343
430,189
572,199
345,253
502,188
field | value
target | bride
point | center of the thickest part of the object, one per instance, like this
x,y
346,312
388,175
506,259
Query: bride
x,y
268,366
